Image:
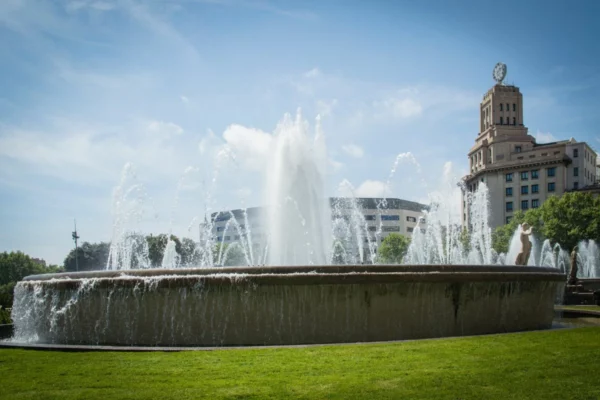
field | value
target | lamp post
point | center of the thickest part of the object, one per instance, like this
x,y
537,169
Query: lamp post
x,y
75,237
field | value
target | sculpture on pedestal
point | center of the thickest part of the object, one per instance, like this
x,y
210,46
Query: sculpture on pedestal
x,y
573,273
523,256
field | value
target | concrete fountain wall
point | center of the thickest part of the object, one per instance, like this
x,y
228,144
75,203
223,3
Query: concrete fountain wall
x,y
282,305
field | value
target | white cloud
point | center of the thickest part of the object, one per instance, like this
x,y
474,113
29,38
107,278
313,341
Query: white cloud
x,y
353,150
73,152
398,107
249,145
208,141
313,73
243,193
164,130
184,99
99,5
370,188
335,165
325,108
547,137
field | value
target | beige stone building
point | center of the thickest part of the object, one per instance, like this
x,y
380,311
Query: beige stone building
x,y
520,173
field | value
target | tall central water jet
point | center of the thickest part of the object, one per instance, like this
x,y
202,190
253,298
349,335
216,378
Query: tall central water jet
x,y
299,217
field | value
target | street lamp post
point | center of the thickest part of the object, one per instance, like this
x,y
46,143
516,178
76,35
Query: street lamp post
x,y
75,237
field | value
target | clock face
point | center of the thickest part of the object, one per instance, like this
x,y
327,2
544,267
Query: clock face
x,y
499,72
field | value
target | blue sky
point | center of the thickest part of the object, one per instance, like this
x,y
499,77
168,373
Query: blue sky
x,y
180,88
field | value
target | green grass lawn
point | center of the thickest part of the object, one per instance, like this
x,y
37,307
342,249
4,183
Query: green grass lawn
x,y
558,364
590,308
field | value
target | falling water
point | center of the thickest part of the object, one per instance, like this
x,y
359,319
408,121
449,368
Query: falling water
x,y
299,220
128,249
302,227
588,259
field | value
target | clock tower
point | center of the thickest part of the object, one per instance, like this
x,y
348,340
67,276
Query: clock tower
x,y
501,126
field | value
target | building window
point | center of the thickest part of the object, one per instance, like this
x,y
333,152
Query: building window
x,y
524,176
220,228
390,218
575,153
576,171
535,174
509,206
507,108
390,228
551,171
508,219
575,185
535,203
514,121
524,204
369,217
501,105
514,107
409,229
518,149
411,219
509,177
219,238
501,121
508,191
236,237
551,186
524,189
372,228
535,188
227,237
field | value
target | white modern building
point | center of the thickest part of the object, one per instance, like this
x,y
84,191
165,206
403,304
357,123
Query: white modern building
x,y
354,220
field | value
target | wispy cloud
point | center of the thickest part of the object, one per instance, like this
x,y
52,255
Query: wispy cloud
x,y
545,137
97,5
353,150
368,188
397,108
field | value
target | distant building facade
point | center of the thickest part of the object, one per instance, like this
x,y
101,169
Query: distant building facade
x,y
520,173
370,219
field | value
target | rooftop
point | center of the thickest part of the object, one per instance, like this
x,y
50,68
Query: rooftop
x,y
370,203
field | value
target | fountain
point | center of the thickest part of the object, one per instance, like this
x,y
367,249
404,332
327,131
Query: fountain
x,y
583,285
298,298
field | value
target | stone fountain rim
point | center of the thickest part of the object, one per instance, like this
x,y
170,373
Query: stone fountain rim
x,y
323,274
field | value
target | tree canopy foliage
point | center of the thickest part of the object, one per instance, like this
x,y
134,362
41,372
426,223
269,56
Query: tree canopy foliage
x,y
15,266
230,255
90,257
565,220
393,248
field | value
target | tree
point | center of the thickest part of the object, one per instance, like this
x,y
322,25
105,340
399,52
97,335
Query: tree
x,y
232,255
189,253
157,245
90,257
465,239
565,220
14,266
393,248
503,234
571,218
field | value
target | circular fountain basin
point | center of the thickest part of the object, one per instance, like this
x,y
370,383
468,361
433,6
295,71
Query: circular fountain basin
x,y
282,305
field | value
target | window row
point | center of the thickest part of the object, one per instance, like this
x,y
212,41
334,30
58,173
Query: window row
x,y
534,174
535,203
514,107
514,121
525,189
